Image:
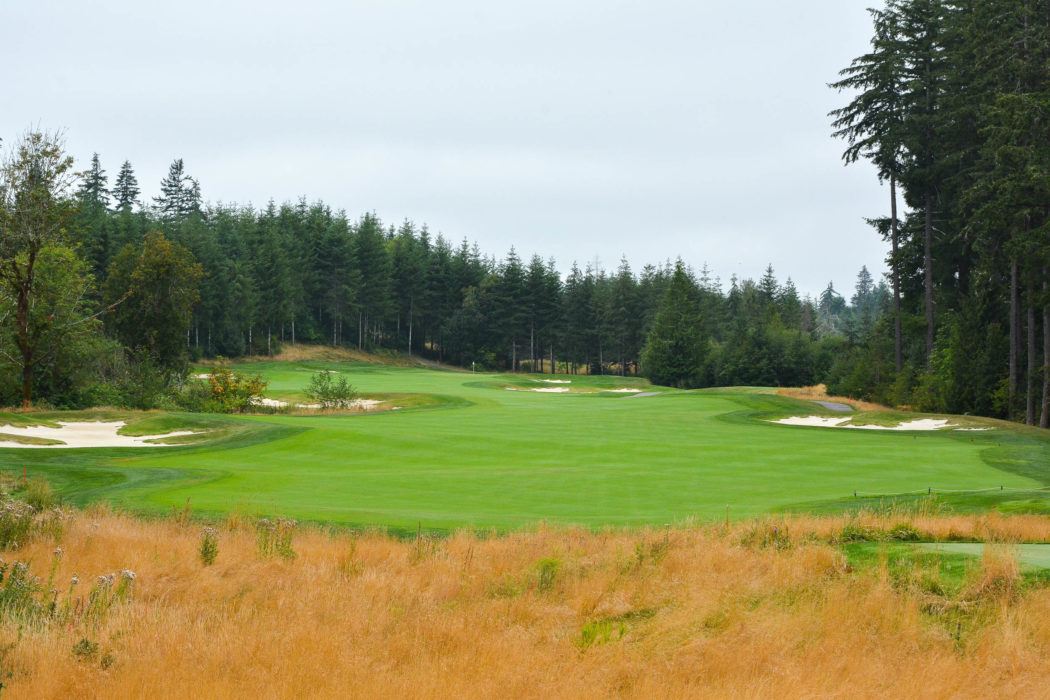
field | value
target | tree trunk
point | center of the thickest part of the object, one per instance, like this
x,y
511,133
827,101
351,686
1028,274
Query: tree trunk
x,y
269,346
1029,418
1044,414
27,386
532,346
360,329
928,264
554,369
293,330
898,355
1014,335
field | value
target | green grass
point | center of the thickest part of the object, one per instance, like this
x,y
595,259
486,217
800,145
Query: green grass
x,y
464,451
945,566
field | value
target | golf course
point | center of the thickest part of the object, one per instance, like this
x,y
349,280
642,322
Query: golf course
x,y
452,449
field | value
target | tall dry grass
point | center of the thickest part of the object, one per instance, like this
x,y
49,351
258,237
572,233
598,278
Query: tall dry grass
x,y
755,609
819,392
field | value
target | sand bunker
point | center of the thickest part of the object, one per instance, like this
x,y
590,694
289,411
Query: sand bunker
x,y
86,434
565,390
815,421
364,404
918,424
555,381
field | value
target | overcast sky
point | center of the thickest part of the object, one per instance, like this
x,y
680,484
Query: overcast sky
x,y
579,130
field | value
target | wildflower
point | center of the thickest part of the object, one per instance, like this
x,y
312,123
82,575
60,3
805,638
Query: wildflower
x,y
58,551
75,580
127,574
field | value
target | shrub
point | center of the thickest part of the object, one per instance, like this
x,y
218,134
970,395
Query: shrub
x,y
329,392
547,573
85,649
860,533
275,538
39,494
209,546
904,533
224,391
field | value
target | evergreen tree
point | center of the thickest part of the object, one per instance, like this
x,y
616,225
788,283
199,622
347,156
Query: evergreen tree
x,y
92,192
674,351
126,188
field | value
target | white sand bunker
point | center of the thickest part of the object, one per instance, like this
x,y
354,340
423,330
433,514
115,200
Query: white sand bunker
x,y
622,391
814,421
555,381
545,390
821,422
86,434
363,404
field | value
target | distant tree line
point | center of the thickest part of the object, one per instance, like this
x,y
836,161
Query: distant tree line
x,y
177,279
301,272
952,106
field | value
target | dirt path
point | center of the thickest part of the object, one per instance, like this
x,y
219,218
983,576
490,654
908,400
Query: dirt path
x,y
835,406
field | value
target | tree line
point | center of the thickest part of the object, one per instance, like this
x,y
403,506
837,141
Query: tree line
x,y
176,279
952,106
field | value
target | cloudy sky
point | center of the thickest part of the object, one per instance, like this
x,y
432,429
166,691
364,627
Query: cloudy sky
x,y
582,130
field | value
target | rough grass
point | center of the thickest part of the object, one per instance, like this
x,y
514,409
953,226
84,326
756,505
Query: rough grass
x,y
325,353
819,392
769,608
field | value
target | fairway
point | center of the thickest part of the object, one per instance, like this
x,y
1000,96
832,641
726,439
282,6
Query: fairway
x,y
466,451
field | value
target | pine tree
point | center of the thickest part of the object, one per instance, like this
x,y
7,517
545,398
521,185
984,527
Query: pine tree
x,y
92,192
873,124
180,194
674,352
126,188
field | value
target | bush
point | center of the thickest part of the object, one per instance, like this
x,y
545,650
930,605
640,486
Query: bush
x,y
904,533
39,494
209,546
329,392
224,391
547,573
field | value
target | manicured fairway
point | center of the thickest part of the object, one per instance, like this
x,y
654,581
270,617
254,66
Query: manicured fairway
x,y
485,456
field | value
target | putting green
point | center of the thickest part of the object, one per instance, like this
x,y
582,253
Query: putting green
x,y
478,454
1036,556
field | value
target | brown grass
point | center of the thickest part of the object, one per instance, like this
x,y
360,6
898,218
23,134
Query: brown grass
x,y
302,352
819,392
755,609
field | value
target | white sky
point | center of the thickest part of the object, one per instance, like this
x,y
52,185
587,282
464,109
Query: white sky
x,y
579,130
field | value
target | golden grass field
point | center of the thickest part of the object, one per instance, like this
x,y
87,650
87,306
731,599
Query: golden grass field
x,y
752,609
